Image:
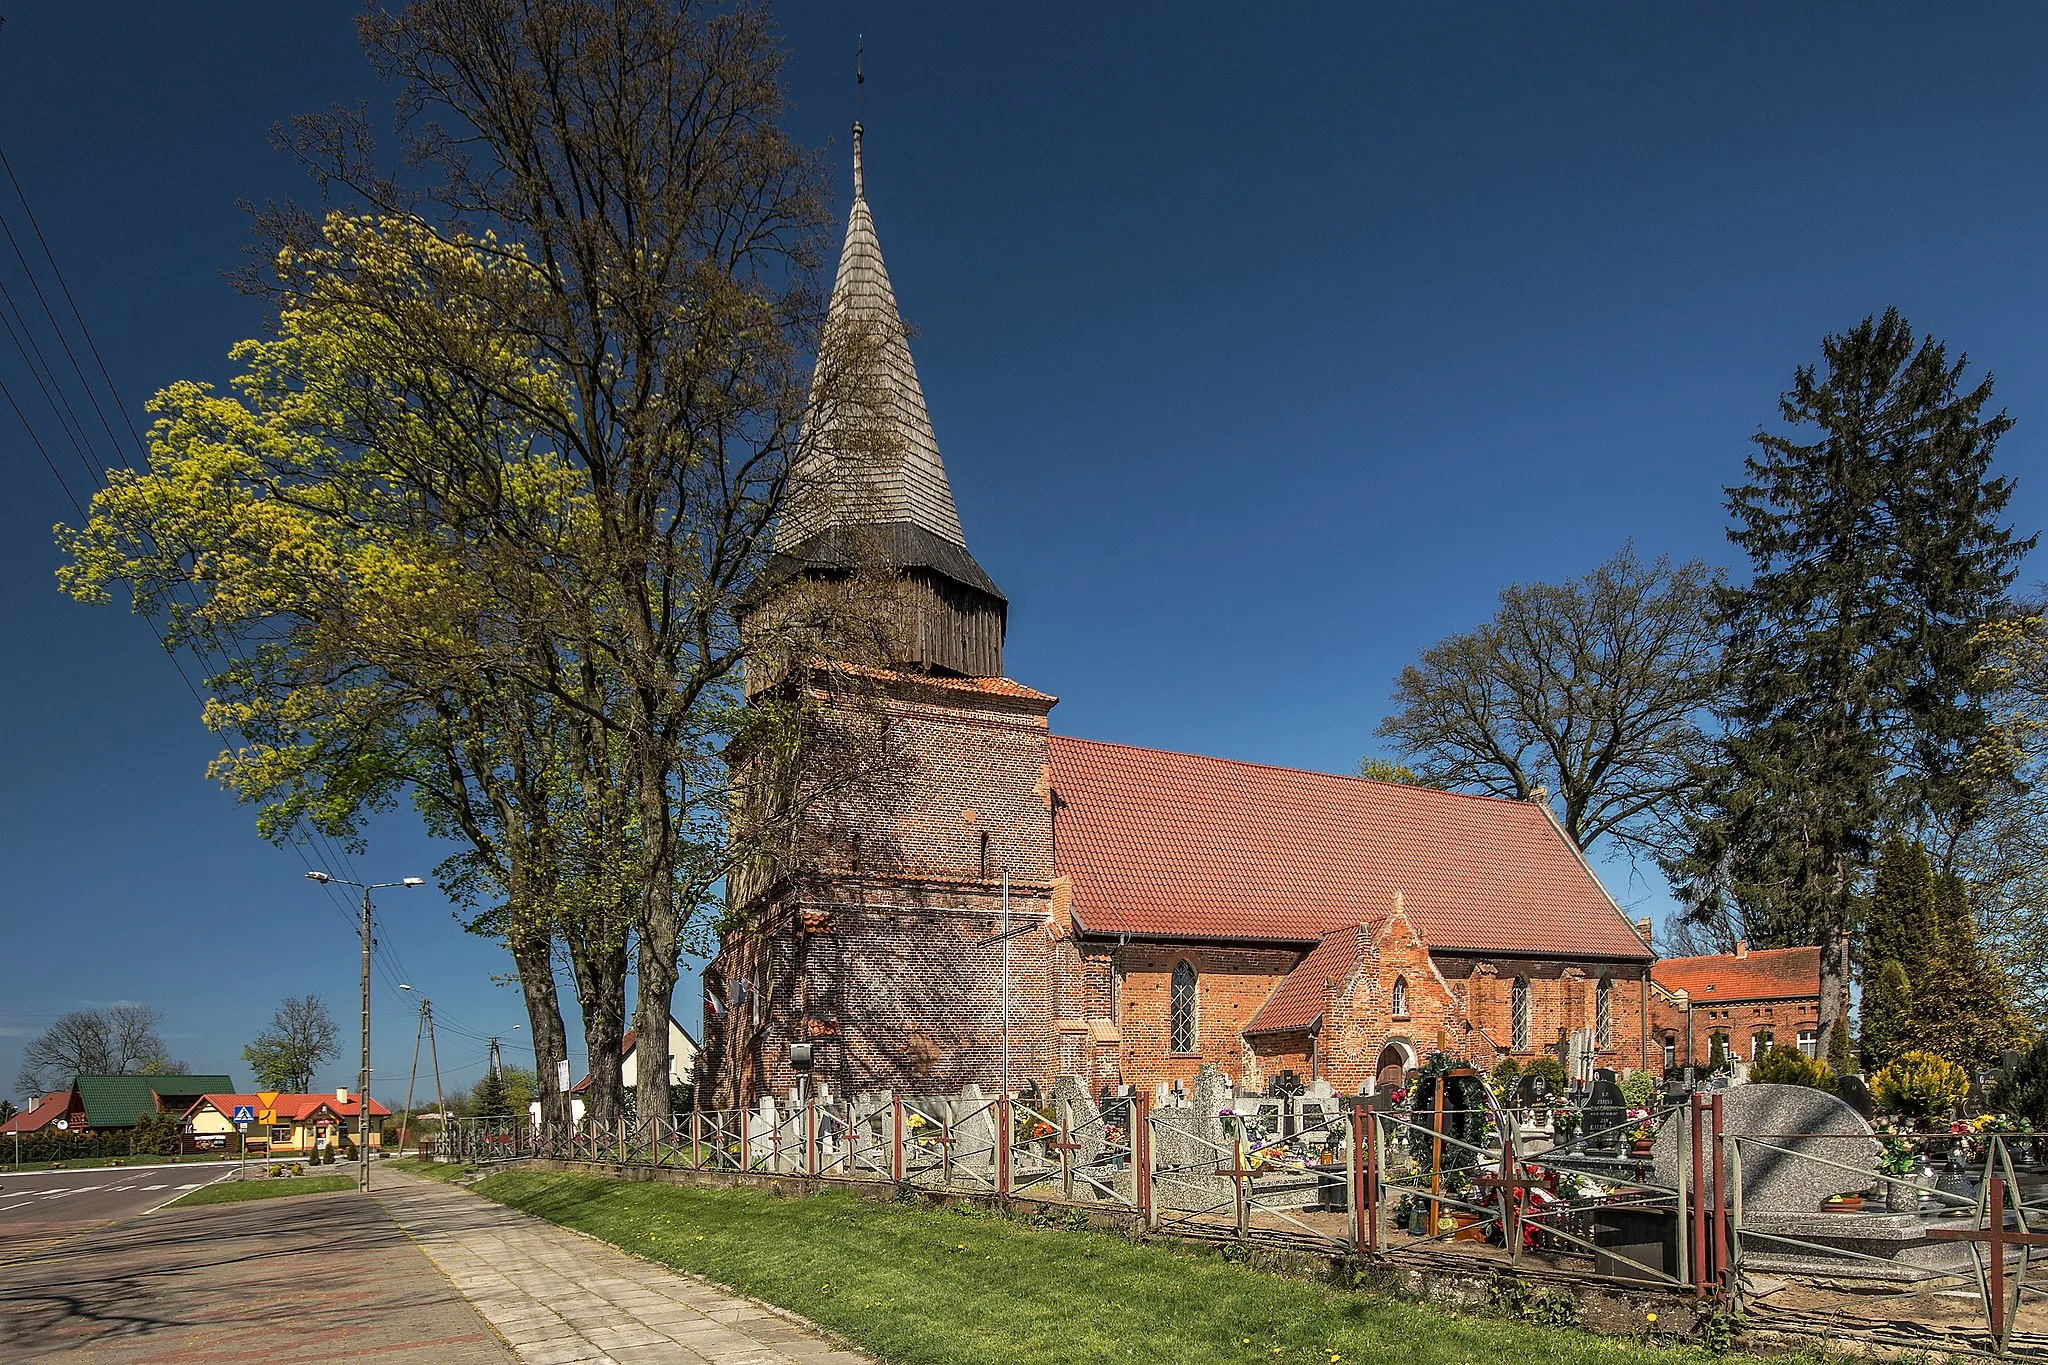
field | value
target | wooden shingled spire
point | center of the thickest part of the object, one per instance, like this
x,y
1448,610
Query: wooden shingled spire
x,y
898,505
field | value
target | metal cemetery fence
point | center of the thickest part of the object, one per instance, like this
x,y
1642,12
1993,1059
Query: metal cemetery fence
x,y
1516,1191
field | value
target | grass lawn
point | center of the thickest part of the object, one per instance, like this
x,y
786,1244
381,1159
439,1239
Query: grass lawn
x,y
235,1191
431,1170
920,1288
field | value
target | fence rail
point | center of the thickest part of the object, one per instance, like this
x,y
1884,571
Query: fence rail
x,y
1380,1182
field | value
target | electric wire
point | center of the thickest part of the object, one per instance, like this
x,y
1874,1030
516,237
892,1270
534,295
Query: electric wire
x,y
85,447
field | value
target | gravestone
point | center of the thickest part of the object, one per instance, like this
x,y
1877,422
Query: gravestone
x,y
1319,1106
1070,1093
974,1131
1798,1129
1162,1098
1851,1090
1606,1113
1210,1094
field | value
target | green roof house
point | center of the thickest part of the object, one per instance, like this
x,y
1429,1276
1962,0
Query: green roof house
x,y
121,1101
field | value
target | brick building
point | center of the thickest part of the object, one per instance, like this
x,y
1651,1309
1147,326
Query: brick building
x,y
1751,1000
1001,903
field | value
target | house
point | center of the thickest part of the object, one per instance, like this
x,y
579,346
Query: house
x,y
121,1101
59,1107
285,1125
682,1068
1752,999
1001,904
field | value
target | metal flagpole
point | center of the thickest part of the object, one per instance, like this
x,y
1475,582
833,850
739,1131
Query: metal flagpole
x,y
1006,977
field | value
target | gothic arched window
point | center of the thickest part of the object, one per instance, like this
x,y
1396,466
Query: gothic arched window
x,y
1522,1011
1603,1014
1400,997
1181,1009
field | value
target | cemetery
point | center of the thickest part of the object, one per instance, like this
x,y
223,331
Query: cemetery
x,y
1797,1210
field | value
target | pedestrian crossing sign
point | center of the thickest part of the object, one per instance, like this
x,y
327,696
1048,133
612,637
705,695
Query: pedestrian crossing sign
x,y
245,1113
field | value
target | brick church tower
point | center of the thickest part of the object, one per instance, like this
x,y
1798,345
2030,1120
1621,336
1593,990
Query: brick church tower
x,y
879,939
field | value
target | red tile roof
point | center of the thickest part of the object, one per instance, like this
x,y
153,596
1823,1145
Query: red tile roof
x,y
45,1112
992,687
1297,1002
291,1108
1762,974
1176,845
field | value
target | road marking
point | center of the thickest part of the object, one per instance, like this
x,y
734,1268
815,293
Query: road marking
x,y
156,1187
10,1208
188,1187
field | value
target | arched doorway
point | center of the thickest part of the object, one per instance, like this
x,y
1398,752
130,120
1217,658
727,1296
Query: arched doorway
x,y
1392,1068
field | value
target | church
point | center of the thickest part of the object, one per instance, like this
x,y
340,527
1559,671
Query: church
x,y
1011,905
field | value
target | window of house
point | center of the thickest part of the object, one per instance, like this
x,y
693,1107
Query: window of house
x,y
1603,1014
280,1132
1809,1042
1759,1044
1181,1009
1522,1008
1670,1050
1400,997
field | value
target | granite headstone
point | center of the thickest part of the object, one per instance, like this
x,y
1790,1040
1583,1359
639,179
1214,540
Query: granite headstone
x,y
1810,1146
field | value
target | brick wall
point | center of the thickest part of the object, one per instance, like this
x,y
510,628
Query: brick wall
x,y
1231,984
1744,1022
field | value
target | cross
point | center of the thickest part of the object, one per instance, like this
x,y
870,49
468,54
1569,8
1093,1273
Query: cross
x,y
1995,1239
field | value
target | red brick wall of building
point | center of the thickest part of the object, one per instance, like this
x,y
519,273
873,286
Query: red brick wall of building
x,y
1743,1021
1231,985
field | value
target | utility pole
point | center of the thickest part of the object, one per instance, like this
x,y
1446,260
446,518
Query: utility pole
x,y
419,1033
497,1070
363,1095
434,1051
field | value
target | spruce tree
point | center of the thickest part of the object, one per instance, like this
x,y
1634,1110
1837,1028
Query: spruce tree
x,y
1876,548
488,1099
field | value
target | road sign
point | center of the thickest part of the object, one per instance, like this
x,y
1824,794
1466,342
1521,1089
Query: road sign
x,y
245,1113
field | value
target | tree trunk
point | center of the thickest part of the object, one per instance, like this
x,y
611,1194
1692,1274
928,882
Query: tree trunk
x,y
534,956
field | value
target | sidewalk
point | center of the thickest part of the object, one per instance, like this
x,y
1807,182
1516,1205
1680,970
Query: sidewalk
x,y
559,1297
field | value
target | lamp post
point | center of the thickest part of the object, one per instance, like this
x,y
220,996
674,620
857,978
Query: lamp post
x,y
363,1093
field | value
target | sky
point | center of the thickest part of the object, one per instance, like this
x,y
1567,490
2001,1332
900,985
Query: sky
x,y
1261,356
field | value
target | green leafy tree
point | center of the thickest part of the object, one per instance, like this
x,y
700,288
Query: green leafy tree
x,y
487,1097
301,1036
1388,770
1841,1060
1887,1015
519,1089
1593,689
1877,551
2023,1091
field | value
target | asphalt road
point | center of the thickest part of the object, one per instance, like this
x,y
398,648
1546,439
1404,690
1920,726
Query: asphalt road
x,y
39,1207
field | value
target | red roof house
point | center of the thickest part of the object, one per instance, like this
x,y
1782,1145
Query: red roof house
x,y
44,1115
1752,999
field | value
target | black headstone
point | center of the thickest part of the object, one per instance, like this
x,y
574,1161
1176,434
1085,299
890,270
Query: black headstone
x,y
1605,1112
1532,1092
1851,1090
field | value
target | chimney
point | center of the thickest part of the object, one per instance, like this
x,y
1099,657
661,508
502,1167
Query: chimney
x,y
1644,930
341,1093
1742,947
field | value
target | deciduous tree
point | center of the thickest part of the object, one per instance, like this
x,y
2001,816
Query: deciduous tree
x,y
118,1040
1593,688
286,1055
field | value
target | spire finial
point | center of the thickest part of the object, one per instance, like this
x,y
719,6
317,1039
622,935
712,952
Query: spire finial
x,y
859,47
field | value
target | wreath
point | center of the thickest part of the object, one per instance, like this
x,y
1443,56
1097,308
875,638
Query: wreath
x,y
1467,1116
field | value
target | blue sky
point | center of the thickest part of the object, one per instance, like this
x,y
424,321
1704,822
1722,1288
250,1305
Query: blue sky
x,y
1261,356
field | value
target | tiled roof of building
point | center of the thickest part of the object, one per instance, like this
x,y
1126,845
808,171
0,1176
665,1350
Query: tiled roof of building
x,y
1759,974
989,687
1297,1002
292,1107
40,1115
912,488
1177,845
120,1101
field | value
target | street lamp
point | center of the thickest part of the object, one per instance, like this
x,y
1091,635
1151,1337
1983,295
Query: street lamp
x,y
363,1093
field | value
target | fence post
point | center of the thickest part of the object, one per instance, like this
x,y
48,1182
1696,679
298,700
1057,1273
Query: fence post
x,y
1700,1269
1354,1169
1735,1220
1684,1237
896,1137
1721,1275
1141,1158
1510,1192
696,1141
1066,1150
810,1137
1003,1146
1237,1176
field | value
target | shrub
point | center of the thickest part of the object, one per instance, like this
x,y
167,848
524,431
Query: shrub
x,y
1920,1085
154,1135
1505,1073
1789,1066
2023,1093
1838,1050
1639,1089
1549,1069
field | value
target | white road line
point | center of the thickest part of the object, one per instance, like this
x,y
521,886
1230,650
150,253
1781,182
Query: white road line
x,y
156,1187
188,1187
10,1208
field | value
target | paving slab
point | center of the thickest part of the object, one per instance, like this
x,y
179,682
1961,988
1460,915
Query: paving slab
x,y
562,1298
304,1280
